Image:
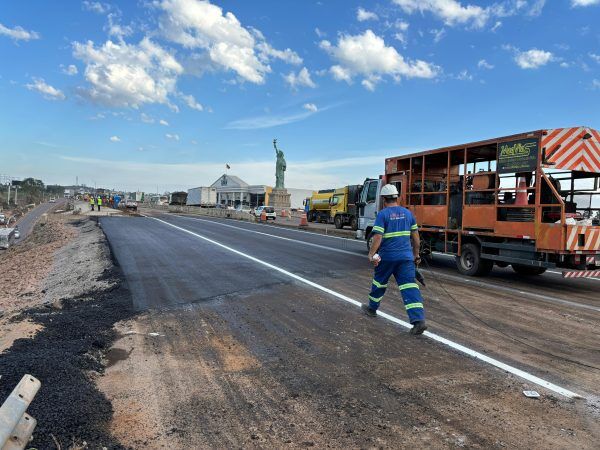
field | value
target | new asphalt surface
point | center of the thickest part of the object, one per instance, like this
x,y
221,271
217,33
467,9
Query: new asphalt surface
x,y
238,332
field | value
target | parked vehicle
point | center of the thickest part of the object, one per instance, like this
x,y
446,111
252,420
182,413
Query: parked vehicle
x,y
6,237
132,205
269,211
2,219
202,196
17,233
344,210
525,200
319,209
178,198
52,200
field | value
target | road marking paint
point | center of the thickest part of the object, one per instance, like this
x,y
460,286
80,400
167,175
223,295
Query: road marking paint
x,y
461,348
311,244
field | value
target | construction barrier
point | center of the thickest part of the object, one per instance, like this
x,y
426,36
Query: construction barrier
x,y
16,426
303,221
581,273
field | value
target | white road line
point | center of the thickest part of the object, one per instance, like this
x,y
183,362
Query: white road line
x,y
461,348
333,249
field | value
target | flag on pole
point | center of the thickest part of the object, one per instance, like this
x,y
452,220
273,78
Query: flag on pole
x,y
227,166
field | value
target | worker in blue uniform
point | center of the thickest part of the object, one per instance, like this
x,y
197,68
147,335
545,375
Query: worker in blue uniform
x,y
395,251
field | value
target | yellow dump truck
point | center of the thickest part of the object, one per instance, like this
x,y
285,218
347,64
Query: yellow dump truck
x,y
343,206
317,206
337,206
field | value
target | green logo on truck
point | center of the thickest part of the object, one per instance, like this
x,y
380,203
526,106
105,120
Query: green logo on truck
x,y
518,156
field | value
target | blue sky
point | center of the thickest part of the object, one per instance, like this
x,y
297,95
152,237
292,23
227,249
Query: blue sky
x,y
147,94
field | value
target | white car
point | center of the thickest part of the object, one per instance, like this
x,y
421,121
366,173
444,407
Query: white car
x,y
52,200
269,211
17,233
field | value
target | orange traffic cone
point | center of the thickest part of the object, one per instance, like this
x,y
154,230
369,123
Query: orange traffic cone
x,y
263,216
283,213
303,221
521,197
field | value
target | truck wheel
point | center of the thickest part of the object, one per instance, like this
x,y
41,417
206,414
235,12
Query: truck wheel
x,y
354,223
310,216
470,262
338,222
528,270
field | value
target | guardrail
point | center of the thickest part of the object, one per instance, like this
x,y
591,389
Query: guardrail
x,y
16,426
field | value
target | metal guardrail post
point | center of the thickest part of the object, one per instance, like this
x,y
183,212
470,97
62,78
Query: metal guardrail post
x,y
16,426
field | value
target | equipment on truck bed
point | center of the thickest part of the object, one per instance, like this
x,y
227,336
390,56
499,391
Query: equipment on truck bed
x,y
528,200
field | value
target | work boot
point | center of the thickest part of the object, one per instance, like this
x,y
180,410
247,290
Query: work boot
x,y
418,327
368,310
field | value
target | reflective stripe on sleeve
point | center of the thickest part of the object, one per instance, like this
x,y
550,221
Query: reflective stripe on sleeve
x,y
414,227
408,286
379,229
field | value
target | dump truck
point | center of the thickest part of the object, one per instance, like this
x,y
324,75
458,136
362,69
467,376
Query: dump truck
x,y
202,196
178,198
319,209
528,200
343,209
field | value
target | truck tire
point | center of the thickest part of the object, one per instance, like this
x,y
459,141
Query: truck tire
x,y
528,270
354,223
470,262
338,222
310,216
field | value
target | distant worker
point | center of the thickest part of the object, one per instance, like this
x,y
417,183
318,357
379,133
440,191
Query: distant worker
x,y
395,251
99,203
92,202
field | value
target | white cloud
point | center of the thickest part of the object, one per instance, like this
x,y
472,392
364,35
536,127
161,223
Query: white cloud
x,y
496,26
146,118
128,75
115,139
362,15
595,57
451,12
533,59
200,25
483,64
300,79
114,28
595,84
438,34
71,69
49,92
464,75
96,7
368,56
174,137
163,122
18,33
320,33
402,28
270,121
191,102
576,3
454,12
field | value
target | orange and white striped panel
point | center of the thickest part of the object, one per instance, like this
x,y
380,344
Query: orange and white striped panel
x,y
592,237
574,152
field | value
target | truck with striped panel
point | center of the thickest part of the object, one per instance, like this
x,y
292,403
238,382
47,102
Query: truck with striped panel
x,y
529,200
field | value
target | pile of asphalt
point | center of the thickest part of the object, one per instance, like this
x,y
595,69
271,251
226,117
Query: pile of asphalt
x,y
66,356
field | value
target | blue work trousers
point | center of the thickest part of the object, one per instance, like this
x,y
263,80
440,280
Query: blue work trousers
x,y
404,273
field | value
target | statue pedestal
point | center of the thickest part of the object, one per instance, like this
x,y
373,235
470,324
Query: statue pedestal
x,y
279,198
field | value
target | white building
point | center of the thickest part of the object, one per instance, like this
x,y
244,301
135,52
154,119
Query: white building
x,y
233,191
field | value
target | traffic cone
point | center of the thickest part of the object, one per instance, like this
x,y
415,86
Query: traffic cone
x,y
283,213
303,221
263,216
521,197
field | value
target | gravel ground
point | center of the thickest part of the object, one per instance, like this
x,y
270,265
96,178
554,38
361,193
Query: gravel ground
x,y
85,297
80,265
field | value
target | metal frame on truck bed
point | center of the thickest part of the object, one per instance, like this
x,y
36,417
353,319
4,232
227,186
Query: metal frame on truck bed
x,y
530,200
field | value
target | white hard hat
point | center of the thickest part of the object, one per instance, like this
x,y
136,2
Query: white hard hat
x,y
389,190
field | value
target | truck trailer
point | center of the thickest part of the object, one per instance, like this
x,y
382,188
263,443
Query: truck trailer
x,y
529,200
178,198
202,196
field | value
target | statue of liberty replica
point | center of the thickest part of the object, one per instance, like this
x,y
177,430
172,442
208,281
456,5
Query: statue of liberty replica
x,y
279,197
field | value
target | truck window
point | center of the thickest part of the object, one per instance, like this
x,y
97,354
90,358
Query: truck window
x,y
333,201
372,192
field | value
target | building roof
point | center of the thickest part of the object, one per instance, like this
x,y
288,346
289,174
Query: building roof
x,y
229,181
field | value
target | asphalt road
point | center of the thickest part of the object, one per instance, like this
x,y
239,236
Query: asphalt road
x,y
27,222
250,315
